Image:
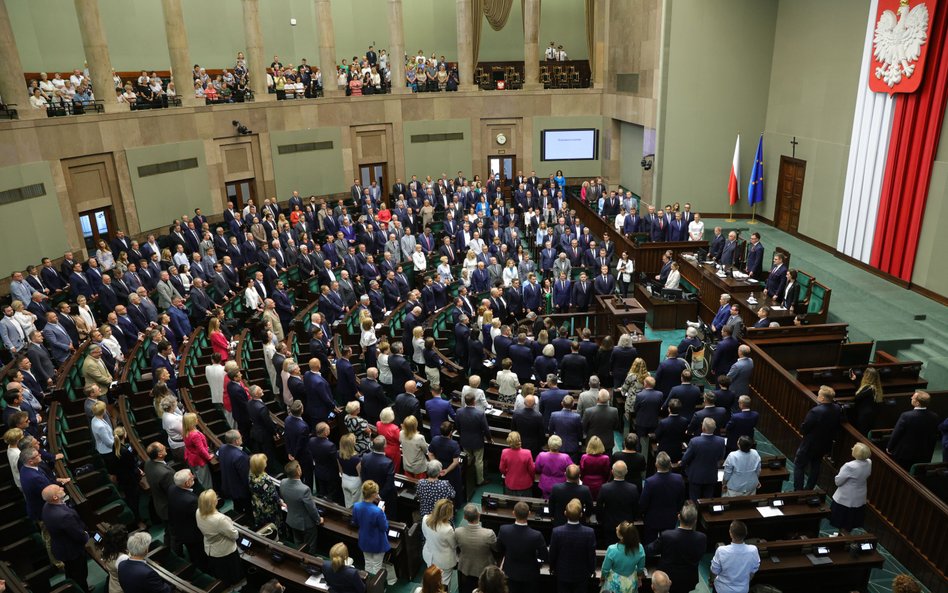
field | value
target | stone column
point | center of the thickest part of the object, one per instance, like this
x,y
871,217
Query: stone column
x,y
97,54
601,46
327,48
531,45
177,37
253,39
465,47
396,47
12,82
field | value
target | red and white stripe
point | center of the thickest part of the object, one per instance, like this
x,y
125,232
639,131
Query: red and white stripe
x,y
734,183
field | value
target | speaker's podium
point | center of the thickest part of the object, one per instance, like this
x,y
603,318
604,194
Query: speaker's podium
x,y
620,312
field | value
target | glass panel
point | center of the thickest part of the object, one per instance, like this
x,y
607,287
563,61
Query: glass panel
x,y
231,191
508,168
378,175
86,224
494,165
365,175
102,222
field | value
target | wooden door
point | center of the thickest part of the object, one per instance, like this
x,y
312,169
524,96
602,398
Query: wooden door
x,y
789,193
241,192
97,225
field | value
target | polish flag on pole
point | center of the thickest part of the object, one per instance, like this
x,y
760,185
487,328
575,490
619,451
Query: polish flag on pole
x,y
734,183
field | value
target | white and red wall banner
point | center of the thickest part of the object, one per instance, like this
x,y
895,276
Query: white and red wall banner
x,y
900,108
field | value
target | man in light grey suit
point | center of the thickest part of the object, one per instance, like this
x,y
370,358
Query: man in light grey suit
x,y
476,544
408,244
302,516
346,289
741,371
602,420
562,265
166,292
14,339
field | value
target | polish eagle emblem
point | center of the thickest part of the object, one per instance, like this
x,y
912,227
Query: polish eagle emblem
x,y
898,41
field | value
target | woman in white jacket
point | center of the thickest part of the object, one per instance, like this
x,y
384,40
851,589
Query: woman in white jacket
x,y
441,546
849,501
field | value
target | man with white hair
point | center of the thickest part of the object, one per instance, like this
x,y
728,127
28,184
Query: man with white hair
x,y
134,573
182,523
602,420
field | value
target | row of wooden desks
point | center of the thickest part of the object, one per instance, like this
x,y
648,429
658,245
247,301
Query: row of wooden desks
x,y
770,516
298,571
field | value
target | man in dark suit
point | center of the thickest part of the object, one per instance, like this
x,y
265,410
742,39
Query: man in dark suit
x,y
618,501
710,410
407,404
374,399
729,251
473,434
573,551
602,420
669,373
916,433
672,431
522,358
461,333
346,387
380,469
160,477
182,504
67,535
322,453
755,257
134,574
662,496
551,399
296,438
701,459
716,249
567,491
582,293
687,394
646,408
235,470
680,550
521,546
742,423
529,423
574,368
819,428
725,355
319,401
401,370
777,280
262,428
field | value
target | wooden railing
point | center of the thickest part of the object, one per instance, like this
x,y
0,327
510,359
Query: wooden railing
x,y
909,518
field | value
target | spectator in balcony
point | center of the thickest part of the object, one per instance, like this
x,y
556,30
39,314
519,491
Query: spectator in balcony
x,y
198,90
421,78
170,91
210,94
37,100
355,86
240,64
431,73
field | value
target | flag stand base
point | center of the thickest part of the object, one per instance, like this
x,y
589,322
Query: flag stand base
x,y
753,219
730,215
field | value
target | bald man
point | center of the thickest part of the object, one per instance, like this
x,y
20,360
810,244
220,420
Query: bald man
x,y
67,534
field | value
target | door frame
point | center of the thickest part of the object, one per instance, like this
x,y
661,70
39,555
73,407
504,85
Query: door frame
x,y
96,237
506,181
241,202
372,166
787,161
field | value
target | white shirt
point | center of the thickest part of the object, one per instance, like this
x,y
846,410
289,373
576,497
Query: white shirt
x,y
252,299
13,456
171,422
695,230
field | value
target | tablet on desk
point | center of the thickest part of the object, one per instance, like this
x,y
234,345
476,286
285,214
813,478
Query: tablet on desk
x,y
399,483
393,534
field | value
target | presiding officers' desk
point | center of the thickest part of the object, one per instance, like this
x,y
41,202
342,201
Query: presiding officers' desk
x,y
405,541
711,286
620,311
823,564
295,569
772,516
664,314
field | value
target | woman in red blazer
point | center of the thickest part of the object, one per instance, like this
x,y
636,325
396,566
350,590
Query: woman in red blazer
x,y
219,342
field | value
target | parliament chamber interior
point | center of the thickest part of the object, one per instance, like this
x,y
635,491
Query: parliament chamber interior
x,y
429,296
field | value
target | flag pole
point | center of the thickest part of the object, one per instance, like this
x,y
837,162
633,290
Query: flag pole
x,y
753,219
730,215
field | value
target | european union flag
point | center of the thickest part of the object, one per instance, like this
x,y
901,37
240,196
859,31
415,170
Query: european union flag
x,y
755,189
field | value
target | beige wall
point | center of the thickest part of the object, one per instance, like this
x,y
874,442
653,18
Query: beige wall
x,y
815,73
630,168
162,197
930,270
718,58
318,171
433,158
30,226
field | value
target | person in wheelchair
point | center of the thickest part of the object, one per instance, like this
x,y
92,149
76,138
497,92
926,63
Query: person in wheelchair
x,y
689,344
